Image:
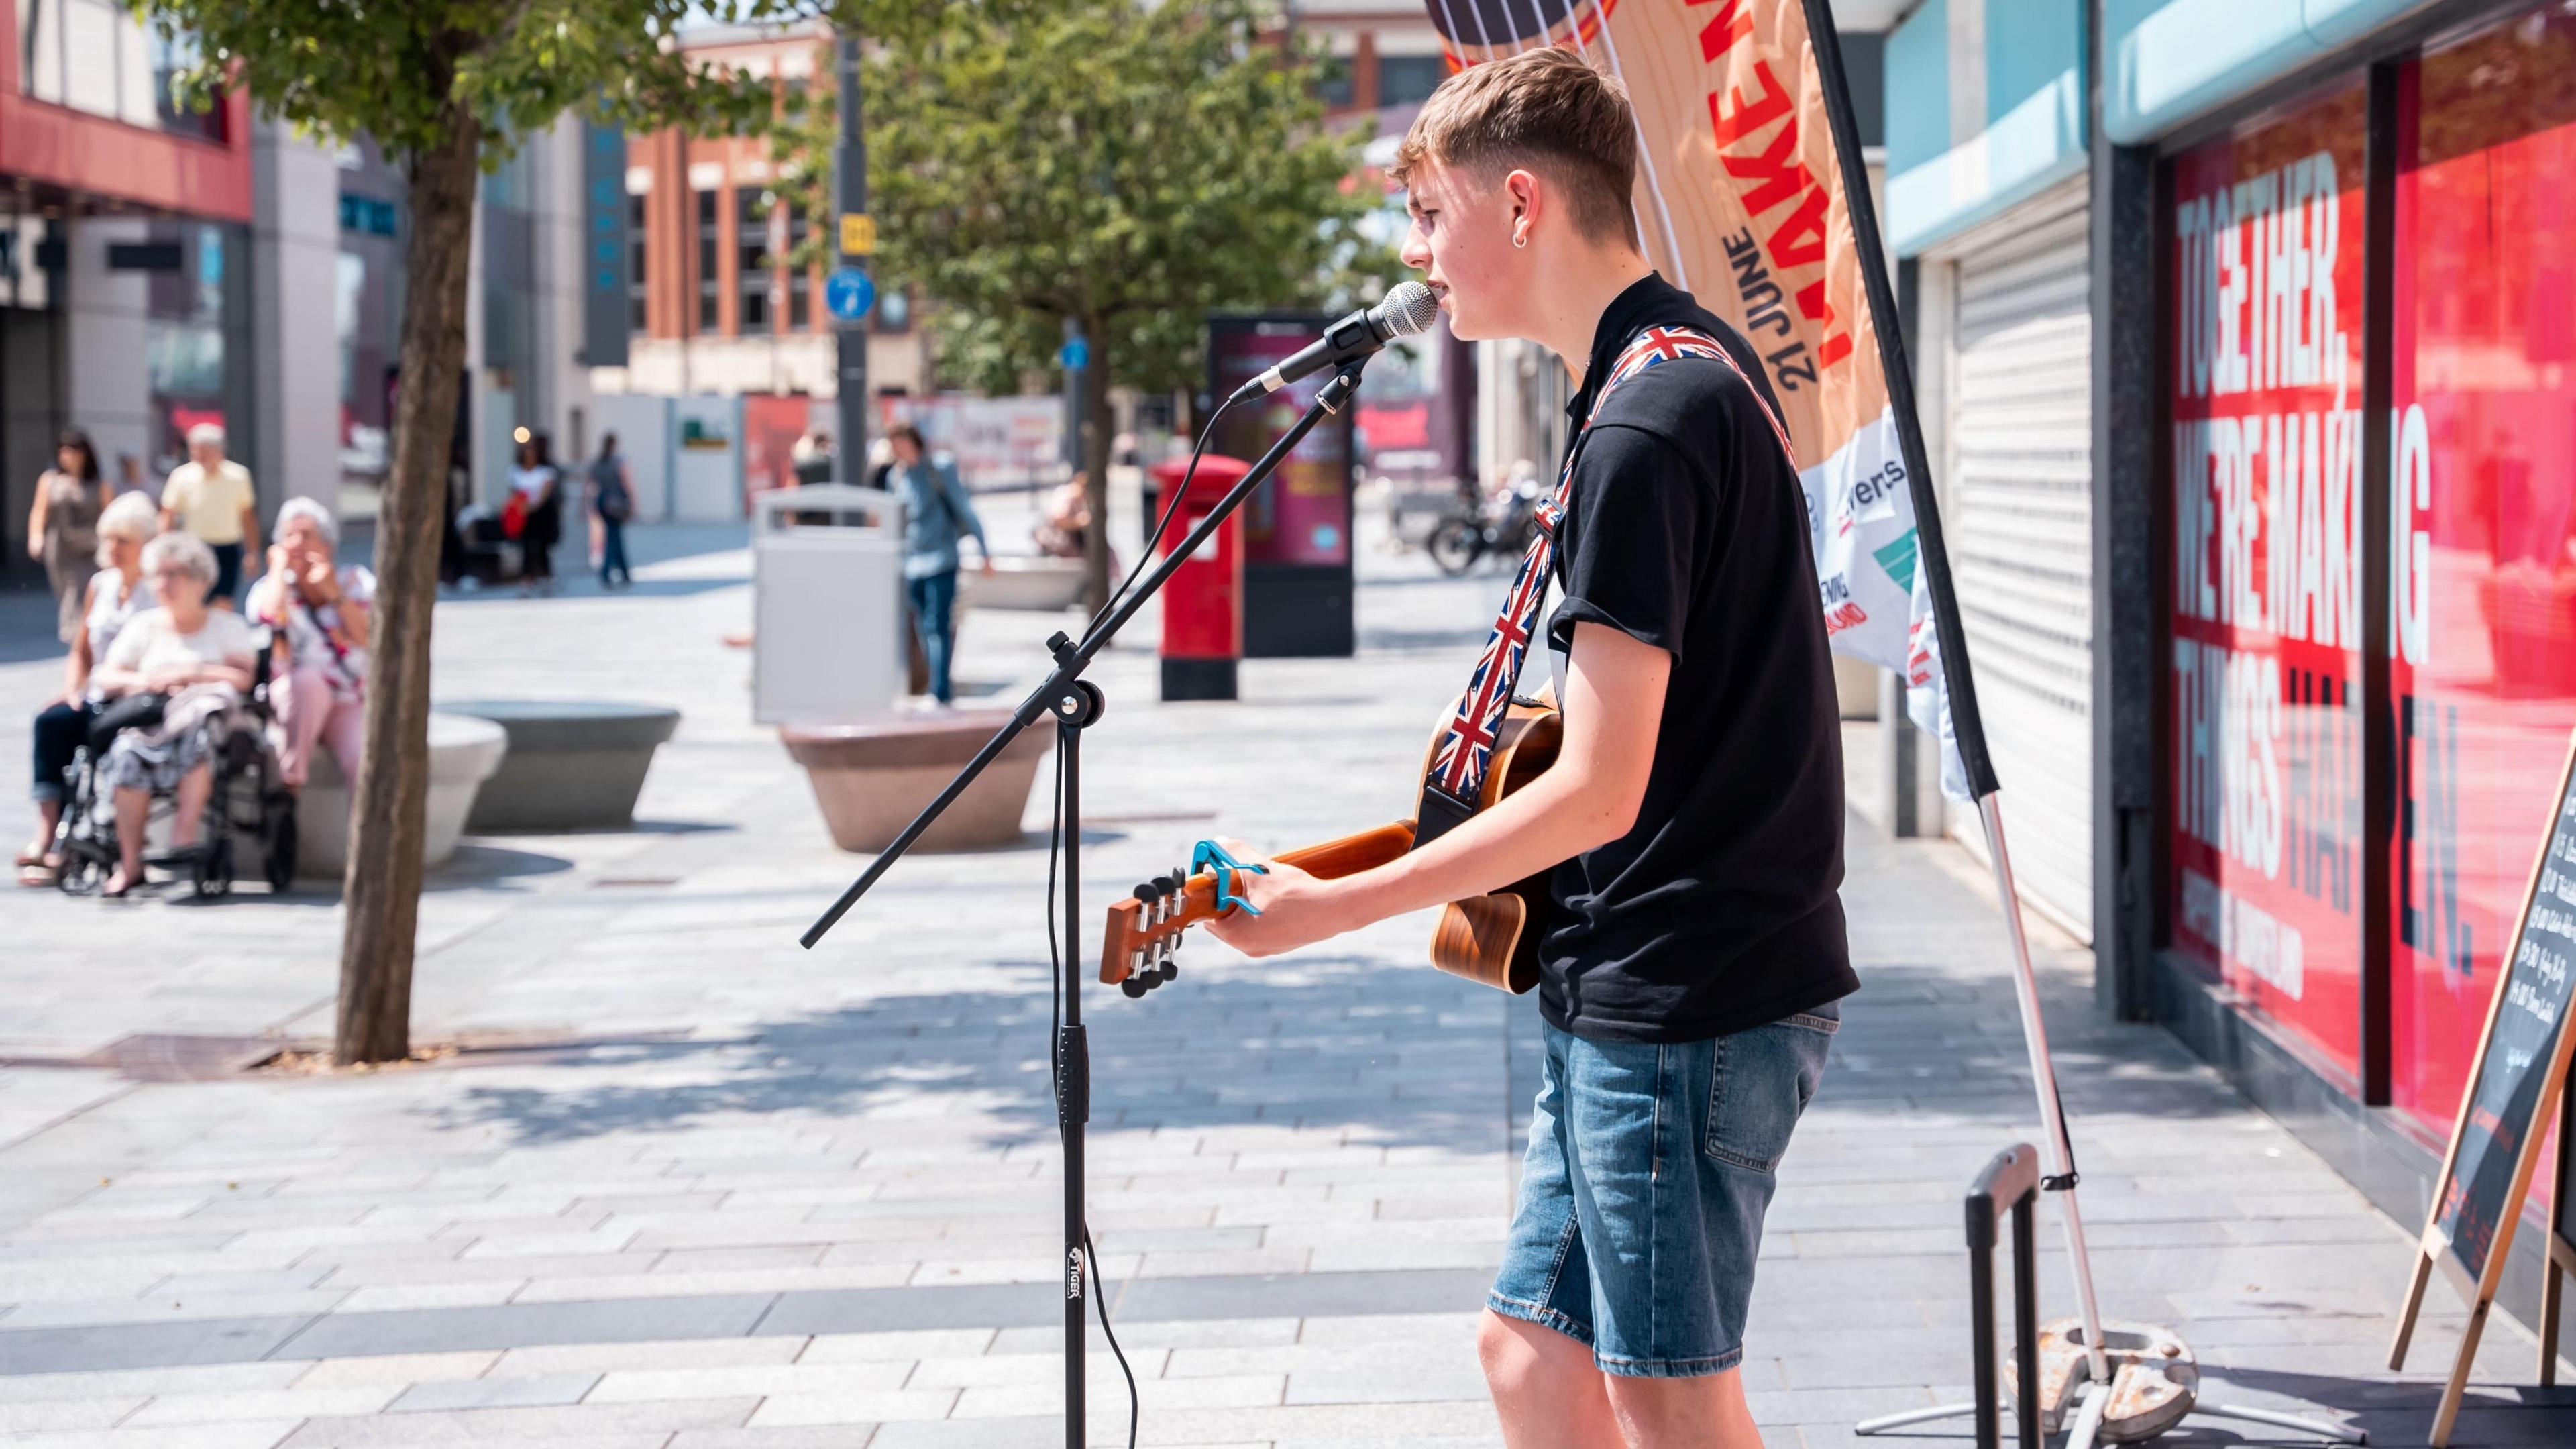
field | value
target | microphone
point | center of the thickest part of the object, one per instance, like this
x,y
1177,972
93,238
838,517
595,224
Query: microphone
x,y
1407,308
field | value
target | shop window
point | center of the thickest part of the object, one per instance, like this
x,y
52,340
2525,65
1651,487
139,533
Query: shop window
x,y
1404,80
2482,572
751,258
800,281
1333,82
710,272
638,292
2263,727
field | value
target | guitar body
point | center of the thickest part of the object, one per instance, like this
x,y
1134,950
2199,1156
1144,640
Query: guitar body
x,y
1492,939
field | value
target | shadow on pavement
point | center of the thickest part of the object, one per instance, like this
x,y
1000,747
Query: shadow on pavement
x,y
575,588
1318,1041
1319,1049
2391,1412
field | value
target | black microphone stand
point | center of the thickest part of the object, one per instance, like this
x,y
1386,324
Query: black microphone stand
x,y
1076,703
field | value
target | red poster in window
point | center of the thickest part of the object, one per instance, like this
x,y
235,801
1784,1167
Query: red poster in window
x,y
2482,577
2265,737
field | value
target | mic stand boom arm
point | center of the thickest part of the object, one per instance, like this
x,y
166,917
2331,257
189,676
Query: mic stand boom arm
x,y
1071,659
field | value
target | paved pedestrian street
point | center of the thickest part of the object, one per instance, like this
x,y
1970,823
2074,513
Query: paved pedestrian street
x,y
689,1186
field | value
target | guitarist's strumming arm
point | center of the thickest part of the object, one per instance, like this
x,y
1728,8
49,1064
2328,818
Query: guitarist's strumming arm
x,y
1613,706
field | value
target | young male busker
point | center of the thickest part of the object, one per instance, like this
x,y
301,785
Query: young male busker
x,y
1694,816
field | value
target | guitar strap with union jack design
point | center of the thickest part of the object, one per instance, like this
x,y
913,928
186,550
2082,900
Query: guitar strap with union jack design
x,y
1455,783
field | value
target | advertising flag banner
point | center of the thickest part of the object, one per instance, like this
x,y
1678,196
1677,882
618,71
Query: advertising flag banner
x,y
1741,202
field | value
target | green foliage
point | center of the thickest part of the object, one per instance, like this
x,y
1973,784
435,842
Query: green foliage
x,y
406,71
1130,165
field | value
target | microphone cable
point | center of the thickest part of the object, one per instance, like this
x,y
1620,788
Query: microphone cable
x,y
1055,1080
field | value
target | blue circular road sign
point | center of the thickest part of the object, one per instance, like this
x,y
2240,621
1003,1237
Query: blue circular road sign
x,y
849,294
1075,354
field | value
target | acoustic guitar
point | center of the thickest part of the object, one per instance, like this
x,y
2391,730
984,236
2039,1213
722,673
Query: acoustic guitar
x,y
1492,939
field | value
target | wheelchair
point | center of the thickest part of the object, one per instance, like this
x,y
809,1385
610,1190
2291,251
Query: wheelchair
x,y
249,816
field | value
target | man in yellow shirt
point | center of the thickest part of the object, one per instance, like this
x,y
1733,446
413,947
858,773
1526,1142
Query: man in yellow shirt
x,y
211,496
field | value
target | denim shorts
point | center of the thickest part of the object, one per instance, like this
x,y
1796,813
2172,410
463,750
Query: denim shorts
x,y
1650,1167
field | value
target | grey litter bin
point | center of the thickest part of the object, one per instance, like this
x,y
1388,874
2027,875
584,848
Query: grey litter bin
x,y
827,605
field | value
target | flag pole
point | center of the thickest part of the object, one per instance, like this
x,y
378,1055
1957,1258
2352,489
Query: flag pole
x,y
1967,725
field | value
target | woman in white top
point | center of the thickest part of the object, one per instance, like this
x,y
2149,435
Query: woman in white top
x,y
540,490
115,595
322,612
202,659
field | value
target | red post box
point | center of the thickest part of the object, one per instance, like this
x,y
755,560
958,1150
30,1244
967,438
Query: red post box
x,y
1203,602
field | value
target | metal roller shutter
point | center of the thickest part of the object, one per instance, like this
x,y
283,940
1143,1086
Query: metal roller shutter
x,y
2021,534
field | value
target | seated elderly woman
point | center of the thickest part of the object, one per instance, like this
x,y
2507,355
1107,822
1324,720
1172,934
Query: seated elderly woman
x,y
115,594
321,611
201,660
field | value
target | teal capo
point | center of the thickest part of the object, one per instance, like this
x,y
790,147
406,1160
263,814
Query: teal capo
x,y
1210,856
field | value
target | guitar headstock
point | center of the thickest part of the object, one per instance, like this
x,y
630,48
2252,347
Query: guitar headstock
x,y
1145,929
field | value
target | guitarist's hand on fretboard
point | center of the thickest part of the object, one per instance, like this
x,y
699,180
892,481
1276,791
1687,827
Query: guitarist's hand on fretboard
x,y
1296,909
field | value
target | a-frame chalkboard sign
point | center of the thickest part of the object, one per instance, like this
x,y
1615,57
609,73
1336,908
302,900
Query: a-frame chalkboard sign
x,y
2515,1087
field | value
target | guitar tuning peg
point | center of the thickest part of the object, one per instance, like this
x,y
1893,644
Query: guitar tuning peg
x,y
1149,892
1135,986
1176,882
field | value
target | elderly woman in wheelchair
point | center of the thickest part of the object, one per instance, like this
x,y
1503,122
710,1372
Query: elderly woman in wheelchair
x,y
171,676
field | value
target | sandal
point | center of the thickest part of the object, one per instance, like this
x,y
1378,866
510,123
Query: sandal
x,y
37,873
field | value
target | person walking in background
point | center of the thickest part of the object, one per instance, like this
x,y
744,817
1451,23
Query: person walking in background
x,y
321,610
811,459
211,497
612,501
115,594
936,514
540,491
62,527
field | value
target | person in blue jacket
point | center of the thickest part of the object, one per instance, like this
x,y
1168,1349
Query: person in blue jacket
x,y
936,514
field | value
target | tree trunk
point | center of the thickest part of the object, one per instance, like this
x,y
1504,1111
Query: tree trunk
x,y
1099,420
391,794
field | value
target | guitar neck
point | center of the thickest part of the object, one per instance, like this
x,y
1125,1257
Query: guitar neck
x,y
1137,934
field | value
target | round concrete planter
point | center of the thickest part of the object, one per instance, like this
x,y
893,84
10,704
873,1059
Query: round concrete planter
x,y
463,753
573,764
1048,585
872,779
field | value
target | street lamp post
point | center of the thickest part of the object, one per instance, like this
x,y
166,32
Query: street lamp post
x,y
855,237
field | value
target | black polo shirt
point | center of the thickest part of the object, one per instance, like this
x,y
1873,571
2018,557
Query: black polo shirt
x,y
1719,910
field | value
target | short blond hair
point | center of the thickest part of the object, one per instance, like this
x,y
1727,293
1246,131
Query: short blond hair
x,y
129,516
1546,110
187,551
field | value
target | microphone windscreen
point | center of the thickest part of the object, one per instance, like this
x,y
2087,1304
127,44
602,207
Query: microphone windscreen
x,y
1407,308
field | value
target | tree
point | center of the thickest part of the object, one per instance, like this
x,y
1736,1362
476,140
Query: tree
x,y
448,87
1121,165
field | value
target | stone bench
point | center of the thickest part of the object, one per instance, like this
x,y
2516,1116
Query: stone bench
x,y
1020,581
572,765
871,779
463,753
